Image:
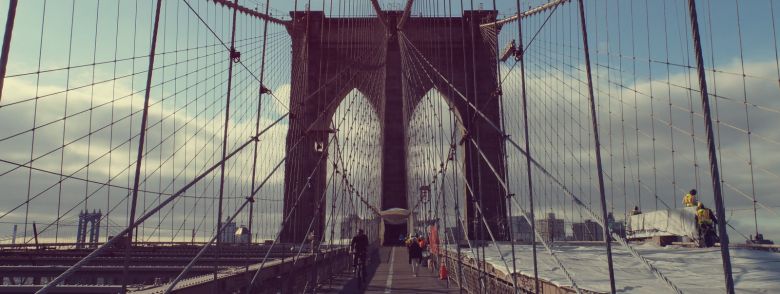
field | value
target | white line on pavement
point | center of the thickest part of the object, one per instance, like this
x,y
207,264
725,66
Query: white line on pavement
x,y
389,284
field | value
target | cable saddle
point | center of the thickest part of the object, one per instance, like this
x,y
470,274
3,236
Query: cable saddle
x,y
235,56
263,89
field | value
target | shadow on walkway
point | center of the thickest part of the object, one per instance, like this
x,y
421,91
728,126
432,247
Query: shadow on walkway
x,y
347,283
389,272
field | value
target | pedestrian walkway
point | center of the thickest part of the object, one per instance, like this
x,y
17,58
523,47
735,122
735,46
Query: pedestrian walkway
x,y
392,274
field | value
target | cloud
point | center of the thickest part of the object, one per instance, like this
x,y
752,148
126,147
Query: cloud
x,y
637,129
100,143
282,92
186,132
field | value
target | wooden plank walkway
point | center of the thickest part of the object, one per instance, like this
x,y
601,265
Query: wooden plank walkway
x,y
389,272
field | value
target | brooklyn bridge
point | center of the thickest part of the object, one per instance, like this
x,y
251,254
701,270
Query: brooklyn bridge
x,y
534,146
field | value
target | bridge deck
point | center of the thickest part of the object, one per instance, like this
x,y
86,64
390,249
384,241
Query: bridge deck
x,y
390,272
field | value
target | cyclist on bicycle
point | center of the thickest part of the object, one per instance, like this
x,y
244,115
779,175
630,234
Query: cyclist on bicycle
x,y
359,246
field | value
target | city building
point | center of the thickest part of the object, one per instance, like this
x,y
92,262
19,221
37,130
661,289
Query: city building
x,y
587,231
352,223
618,227
228,235
454,234
551,228
243,235
521,230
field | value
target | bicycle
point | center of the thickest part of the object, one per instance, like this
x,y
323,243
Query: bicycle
x,y
359,265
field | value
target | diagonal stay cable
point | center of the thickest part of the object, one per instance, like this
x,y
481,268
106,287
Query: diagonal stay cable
x,y
528,46
249,199
471,191
148,214
598,219
71,175
284,222
336,125
527,13
229,49
525,216
325,84
265,258
631,250
141,219
345,177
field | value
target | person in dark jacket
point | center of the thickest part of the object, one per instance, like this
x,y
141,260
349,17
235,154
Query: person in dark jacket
x,y
359,246
415,254
706,220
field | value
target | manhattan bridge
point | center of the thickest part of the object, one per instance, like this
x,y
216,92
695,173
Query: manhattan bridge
x,y
534,146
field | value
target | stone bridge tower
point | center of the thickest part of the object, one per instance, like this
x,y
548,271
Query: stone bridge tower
x,y
333,56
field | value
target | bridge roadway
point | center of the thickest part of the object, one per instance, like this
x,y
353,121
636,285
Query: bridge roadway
x,y
24,269
389,272
329,271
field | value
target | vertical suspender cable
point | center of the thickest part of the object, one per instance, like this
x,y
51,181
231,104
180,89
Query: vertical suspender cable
x,y
9,29
524,97
447,12
502,123
141,141
465,156
720,208
747,120
35,107
262,91
232,57
475,91
456,207
594,120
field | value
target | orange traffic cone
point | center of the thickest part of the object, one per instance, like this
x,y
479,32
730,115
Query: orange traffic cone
x,y
442,272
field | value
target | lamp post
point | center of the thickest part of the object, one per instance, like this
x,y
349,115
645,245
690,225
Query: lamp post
x,y
321,139
425,198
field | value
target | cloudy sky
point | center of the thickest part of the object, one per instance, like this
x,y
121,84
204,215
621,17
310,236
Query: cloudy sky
x,y
89,94
649,108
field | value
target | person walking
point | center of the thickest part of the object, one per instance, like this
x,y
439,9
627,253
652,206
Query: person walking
x,y
415,254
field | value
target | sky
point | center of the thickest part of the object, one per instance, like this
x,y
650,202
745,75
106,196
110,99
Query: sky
x,y
631,41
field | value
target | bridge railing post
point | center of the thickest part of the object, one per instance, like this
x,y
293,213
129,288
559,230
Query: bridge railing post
x,y
720,208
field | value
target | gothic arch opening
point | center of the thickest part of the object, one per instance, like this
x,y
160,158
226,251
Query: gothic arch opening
x,y
434,162
354,164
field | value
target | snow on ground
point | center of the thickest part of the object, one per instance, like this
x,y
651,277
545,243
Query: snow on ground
x,y
693,270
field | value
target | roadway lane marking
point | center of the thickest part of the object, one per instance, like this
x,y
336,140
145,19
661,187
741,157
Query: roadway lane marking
x,y
389,284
